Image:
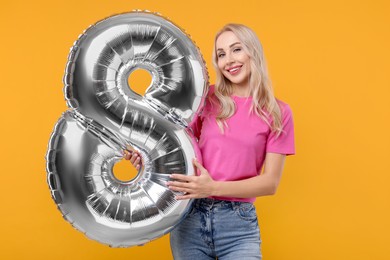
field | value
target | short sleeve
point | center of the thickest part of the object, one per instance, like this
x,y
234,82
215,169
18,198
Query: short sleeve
x,y
284,143
197,121
196,125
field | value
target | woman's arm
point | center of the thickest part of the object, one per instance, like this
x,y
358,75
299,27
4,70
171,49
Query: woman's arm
x,y
203,186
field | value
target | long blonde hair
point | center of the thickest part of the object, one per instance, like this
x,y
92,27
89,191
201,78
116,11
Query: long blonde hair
x,y
263,100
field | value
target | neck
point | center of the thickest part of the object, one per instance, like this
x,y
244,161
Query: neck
x,y
241,90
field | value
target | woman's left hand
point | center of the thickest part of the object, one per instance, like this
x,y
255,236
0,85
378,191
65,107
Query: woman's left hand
x,y
201,186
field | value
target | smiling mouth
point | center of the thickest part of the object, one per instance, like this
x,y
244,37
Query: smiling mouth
x,y
234,70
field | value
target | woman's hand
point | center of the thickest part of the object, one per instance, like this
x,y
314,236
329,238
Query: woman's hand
x,y
134,157
201,186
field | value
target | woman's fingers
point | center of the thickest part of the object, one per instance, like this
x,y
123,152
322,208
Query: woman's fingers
x,y
185,197
179,184
126,155
197,164
192,186
180,188
137,163
181,177
134,157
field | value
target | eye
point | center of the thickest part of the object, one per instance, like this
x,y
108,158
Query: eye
x,y
237,50
220,55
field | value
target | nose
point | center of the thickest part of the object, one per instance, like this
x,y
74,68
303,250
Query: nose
x,y
229,59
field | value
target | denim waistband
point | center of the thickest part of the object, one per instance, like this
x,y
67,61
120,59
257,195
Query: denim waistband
x,y
214,203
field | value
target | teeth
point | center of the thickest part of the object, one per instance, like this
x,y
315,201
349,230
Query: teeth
x,y
233,70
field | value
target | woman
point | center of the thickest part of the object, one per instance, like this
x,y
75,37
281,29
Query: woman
x,y
244,136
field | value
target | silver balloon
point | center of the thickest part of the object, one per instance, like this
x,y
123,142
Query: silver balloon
x,y
107,116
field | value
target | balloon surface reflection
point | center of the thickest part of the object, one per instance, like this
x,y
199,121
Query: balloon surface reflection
x,y
107,116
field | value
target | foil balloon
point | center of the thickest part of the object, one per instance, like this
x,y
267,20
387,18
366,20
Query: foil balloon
x,y
107,116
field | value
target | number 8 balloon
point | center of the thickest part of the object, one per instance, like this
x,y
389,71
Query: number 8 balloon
x,y
106,116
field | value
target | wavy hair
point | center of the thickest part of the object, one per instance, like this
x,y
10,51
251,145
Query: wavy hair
x,y
263,100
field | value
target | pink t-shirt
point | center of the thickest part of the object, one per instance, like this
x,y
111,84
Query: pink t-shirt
x,y
239,153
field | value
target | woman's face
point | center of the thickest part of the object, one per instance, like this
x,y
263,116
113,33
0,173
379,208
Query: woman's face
x,y
232,60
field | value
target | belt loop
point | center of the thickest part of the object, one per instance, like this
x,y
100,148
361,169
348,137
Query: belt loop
x,y
197,203
211,203
235,205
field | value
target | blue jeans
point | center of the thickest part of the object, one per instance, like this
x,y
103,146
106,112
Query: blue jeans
x,y
220,229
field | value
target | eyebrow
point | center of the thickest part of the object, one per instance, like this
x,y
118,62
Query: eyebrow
x,y
231,45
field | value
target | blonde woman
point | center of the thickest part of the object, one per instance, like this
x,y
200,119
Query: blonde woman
x,y
244,136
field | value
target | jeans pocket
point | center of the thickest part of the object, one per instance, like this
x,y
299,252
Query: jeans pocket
x,y
246,211
192,210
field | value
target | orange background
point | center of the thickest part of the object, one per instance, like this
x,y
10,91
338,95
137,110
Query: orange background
x,y
330,60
